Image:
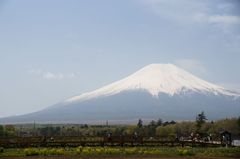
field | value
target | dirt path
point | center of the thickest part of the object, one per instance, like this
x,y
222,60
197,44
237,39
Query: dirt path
x,y
96,157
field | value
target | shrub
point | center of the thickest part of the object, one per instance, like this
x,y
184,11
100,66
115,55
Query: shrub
x,y
87,151
43,152
1,149
31,152
185,152
55,151
226,152
112,151
79,149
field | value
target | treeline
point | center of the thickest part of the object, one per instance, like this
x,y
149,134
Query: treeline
x,y
166,129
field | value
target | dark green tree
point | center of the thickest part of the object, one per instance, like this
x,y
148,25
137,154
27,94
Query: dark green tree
x,y
140,123
159,122
153,123
9,130
151,128
200,120
1,130
238,123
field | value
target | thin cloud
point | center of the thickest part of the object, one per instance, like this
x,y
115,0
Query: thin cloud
x,y
224,19
184,11
194,11
191,65
51,75
231,86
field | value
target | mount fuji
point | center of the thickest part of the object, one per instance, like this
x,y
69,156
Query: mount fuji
x,y
155,91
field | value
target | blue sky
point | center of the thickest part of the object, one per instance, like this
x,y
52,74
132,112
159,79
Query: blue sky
x,y
52,50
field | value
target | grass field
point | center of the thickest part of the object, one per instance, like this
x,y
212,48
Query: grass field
x,y
115,157
121,152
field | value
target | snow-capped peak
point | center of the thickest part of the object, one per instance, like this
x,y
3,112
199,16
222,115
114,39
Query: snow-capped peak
x,y
155,79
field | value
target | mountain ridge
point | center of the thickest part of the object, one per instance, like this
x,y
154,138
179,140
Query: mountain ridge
x,y
149,77
155,91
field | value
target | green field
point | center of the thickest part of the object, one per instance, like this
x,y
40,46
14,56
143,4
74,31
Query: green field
x,y
123,152
60,141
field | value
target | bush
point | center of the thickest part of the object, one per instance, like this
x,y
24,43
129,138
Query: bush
x,y
1,149
43,152
87,151
112,151
185,152
31,152
79,149
57,152
223,152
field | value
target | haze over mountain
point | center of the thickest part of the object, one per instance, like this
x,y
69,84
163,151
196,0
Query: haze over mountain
x,y
155,91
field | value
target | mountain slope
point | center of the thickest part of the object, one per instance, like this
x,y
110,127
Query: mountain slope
x,y
157,78
156,91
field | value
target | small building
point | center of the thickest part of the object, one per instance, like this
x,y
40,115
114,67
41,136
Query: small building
x,y
236,143
226,138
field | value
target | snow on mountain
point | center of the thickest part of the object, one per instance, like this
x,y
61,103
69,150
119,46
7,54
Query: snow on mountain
x,y
155,79
155,91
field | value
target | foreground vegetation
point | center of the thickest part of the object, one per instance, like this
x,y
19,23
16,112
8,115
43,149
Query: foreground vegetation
x,y
166,129
123,151
170,130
